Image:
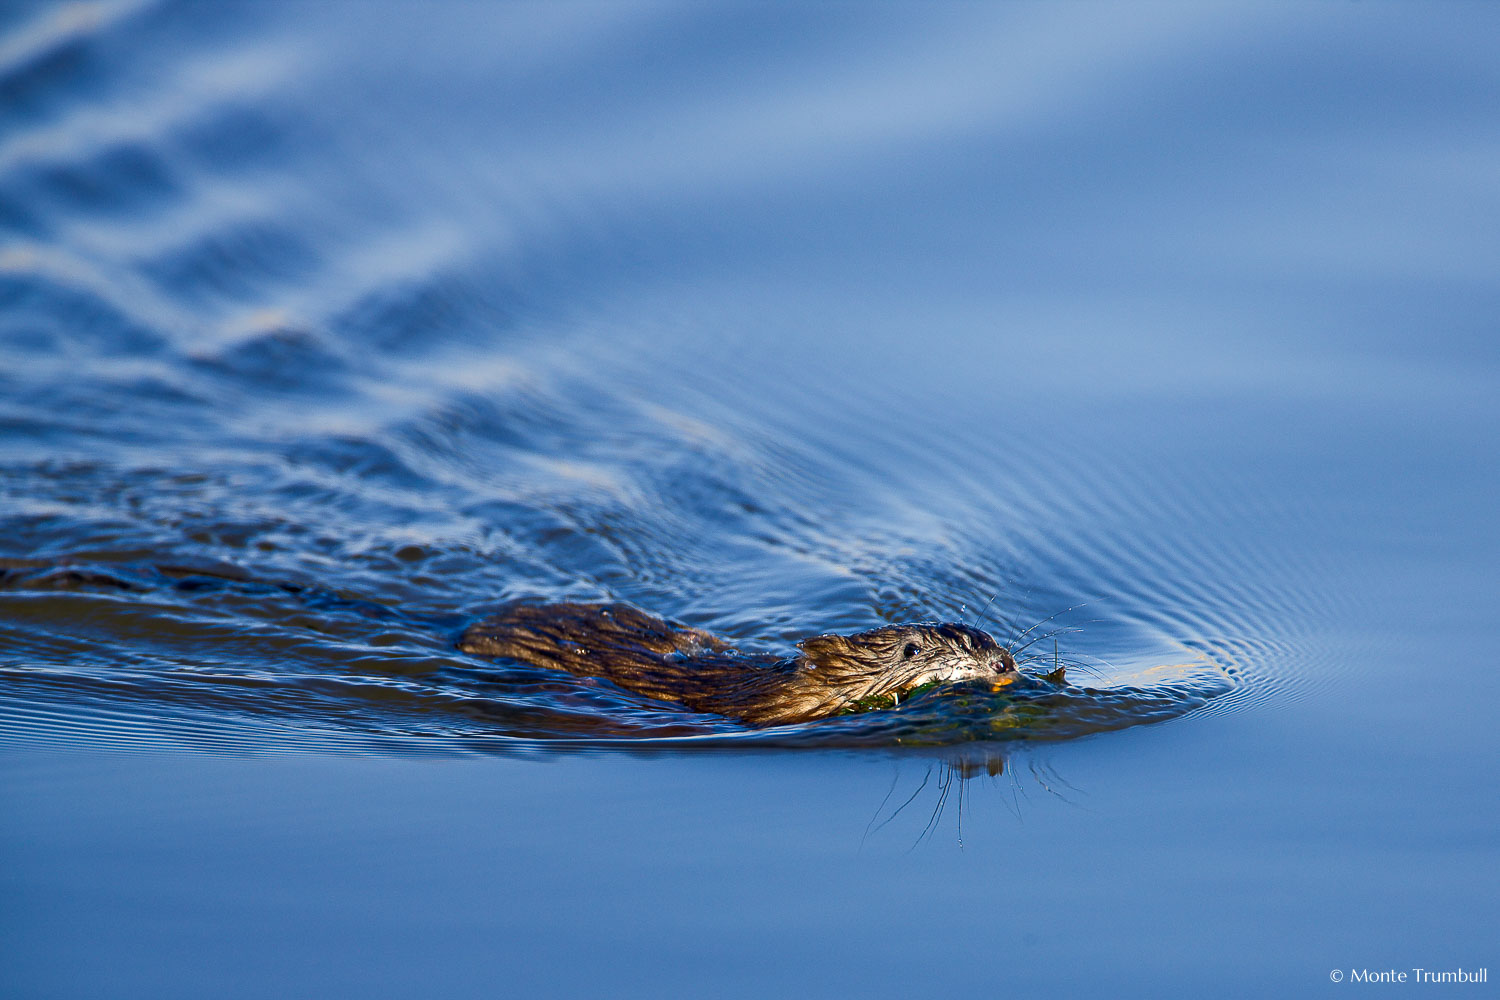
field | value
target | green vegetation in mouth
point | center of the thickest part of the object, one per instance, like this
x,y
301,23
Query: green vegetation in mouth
x,y
883,702
878,702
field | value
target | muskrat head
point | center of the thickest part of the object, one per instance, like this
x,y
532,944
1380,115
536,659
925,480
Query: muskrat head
x,y
893,659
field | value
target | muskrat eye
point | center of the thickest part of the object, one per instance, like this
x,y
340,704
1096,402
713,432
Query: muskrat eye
x,y
910,650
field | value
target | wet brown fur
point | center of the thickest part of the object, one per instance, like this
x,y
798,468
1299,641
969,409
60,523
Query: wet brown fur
x,y
671,662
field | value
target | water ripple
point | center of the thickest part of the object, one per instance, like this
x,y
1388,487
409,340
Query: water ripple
x,y
301,369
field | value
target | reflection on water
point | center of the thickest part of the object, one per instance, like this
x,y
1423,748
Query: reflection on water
x,y
945,794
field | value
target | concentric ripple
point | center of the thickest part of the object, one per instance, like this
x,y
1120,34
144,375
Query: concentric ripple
x,y
298,377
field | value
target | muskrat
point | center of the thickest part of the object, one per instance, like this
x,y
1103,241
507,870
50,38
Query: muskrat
x,y
677,663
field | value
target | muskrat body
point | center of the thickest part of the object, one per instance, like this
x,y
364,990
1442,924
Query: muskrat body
x,y
676,663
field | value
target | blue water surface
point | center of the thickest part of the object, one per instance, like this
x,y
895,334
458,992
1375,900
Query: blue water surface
x,y
324,327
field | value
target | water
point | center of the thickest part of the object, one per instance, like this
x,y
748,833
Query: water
x,y
324,328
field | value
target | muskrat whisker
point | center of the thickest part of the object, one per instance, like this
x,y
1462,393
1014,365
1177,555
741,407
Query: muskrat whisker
x,y
941,805
985,610
1012,630
961,784
1014,805
1072,660
1075,665
1065,661
1100,659
937,810
1058,615
899,809
894,779
1060,630
1057,777
1048,619
1041,779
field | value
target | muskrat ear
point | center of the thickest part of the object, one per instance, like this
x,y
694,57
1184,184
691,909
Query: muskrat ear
x,y
825,648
